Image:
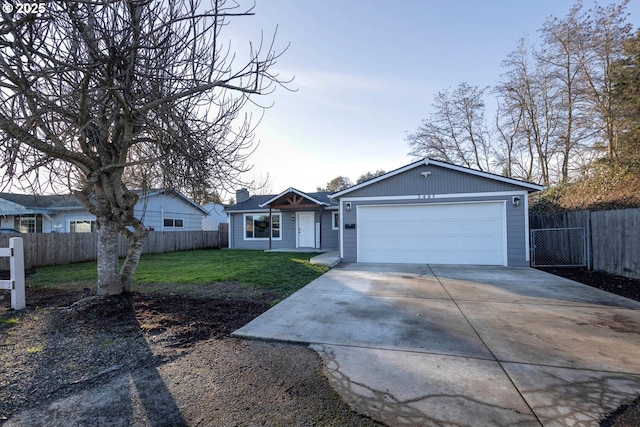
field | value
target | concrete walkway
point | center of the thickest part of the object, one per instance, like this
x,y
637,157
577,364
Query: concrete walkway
x,y
330,258
465,346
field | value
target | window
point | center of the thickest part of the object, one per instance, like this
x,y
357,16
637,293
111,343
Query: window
x,y
335,223
29,223
82,226
174,222
256,226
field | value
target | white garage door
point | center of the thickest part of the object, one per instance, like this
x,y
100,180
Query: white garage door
x,y
454,233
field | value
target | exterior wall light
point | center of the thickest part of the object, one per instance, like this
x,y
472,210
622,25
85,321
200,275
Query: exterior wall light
x,y
516,201
348,206
293,217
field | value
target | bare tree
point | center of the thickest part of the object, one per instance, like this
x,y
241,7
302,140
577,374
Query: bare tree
x,y
605,30
369,175
455,132
558,100
529,113
562,55
261,184
627,93
508,145
336,184
91,89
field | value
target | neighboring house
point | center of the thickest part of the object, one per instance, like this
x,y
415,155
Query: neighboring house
x,y
215,216
300,220
425,212
160,210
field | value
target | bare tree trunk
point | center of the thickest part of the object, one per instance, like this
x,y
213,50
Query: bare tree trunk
x,y
109,282
136,242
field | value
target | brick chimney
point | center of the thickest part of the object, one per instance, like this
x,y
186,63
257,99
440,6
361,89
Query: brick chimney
x,y
242,195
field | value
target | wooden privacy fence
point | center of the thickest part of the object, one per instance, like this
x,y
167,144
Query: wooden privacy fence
x,y
613,237
42,249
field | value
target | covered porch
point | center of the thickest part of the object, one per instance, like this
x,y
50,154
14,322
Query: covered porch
x,y
310,218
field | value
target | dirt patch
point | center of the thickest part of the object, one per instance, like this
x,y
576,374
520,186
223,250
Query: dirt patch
x,y
626,415
155,360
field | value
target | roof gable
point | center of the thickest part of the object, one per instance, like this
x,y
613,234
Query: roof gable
x,y
171,193
292,199
424,169
259,203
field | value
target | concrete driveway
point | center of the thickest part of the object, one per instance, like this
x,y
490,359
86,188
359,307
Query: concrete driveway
x,y
466,346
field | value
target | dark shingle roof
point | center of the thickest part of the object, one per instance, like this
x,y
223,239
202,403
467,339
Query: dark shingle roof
x,y
69,202
34,201
253,203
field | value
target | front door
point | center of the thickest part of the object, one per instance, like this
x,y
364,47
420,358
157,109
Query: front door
x,y
306,229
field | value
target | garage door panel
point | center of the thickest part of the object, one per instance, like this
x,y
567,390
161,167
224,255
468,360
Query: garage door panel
x,y
461,233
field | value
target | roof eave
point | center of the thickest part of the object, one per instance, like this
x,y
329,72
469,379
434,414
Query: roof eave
x,y
293,190
427,161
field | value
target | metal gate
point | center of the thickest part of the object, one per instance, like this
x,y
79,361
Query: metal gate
x,y
559,247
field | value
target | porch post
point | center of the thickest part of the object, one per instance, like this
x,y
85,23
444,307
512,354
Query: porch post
x,y
270,227
320,229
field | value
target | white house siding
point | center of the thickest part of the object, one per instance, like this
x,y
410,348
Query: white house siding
x,y
152,210
161,206
60,223
152,213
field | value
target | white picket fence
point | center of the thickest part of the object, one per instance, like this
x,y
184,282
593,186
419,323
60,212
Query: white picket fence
x,y
15,252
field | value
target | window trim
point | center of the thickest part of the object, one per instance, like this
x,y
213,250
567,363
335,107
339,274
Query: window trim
x,y
335,215
89,220
244,226
173,222
37,219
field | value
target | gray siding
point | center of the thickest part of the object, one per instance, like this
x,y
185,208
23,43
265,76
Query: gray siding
x,y
516,237
237,241
329,236
288,229
517,245
440,181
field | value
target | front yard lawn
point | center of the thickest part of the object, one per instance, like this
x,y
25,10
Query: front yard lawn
x,y
185,272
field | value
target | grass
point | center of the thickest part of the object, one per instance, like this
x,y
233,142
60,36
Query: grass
x,y
182,272
34,349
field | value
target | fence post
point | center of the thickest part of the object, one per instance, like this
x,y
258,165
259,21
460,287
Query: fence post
x,y
588,247
16,246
